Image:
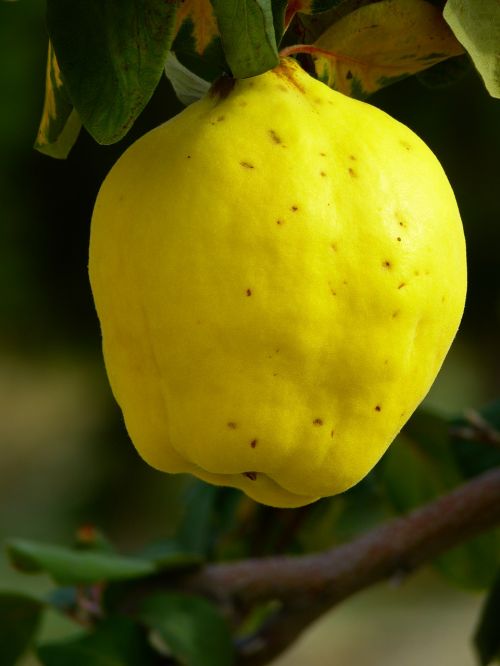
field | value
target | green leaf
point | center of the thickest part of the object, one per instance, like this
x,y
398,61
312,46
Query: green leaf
x,y
70,566
116,642
476,24
111,56
382,43
192,628
420,464
19,619
60,125
195,532
247,32
487,634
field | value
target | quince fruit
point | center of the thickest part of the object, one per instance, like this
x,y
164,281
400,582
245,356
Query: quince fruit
x,y
279,272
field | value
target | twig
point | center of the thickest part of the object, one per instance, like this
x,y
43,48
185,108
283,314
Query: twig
x,y
309,585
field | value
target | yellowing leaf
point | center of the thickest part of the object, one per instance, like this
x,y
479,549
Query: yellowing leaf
x,y
294,6
382,43
60,124
201,14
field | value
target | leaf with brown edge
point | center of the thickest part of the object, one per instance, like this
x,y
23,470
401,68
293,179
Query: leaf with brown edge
x,y
59,124
382,43
202,18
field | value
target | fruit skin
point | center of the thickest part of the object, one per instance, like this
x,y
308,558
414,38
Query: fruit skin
x,y
279,272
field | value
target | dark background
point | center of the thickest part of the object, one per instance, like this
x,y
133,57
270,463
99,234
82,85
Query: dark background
x,y
65,458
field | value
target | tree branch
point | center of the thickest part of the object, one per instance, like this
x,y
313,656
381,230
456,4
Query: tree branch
x,y
309,585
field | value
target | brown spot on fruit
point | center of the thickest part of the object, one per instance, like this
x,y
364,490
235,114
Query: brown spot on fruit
x,y
403,284
280,222
406,145
294,208
231,425
251,475
247,165
274,136
378,408
352,173
322,173
352,157
332,432
386,264
317,422
249,292
401,219
395,314
220,118
323,154
253,443
398,239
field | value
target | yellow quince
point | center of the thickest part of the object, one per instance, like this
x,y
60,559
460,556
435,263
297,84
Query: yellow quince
x,y
279,272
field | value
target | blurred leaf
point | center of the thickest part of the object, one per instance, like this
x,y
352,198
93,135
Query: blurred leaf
x,y
257,617
318,530
195,632
195,532
476,440
187,85
169,554
63,598
487,634
115,642
472,565
19,619
70,566
421,465
445,73
362,507
60,124
476,24
247,33
382,43
209,514
111,57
